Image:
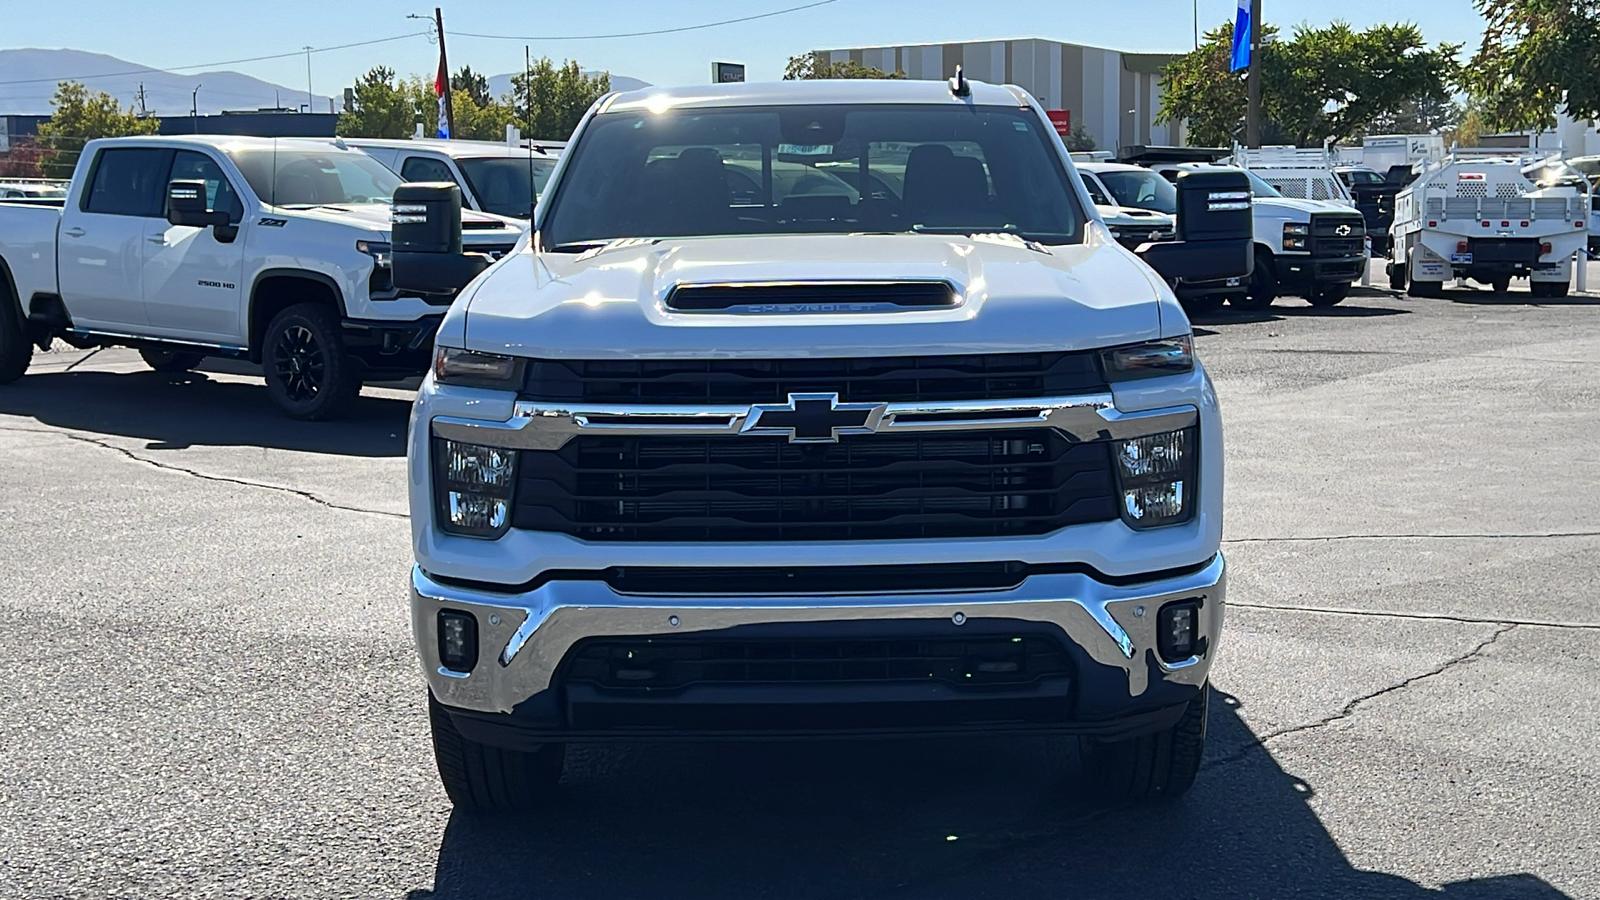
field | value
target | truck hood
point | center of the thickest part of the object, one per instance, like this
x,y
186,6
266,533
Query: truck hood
x,y
375,217
611,303
1293,208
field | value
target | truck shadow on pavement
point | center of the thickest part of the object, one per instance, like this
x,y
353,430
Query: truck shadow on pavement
x,y
1231,316
947,818
177,411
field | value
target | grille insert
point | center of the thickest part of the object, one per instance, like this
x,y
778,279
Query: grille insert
x,y
890,379
801,297
865,487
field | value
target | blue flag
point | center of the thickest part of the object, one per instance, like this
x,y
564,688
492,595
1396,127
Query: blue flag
x,y
1241,37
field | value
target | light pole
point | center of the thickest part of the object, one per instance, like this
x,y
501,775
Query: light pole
x,y
310,104
194,108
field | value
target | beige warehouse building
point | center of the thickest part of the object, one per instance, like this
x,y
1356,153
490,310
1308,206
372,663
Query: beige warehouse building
x,y
1114,95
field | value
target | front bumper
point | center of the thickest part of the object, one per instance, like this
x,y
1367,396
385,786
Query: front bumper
x,y
516,695
1320,269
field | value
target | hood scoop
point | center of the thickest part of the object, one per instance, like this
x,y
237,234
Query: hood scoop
x,y
802,297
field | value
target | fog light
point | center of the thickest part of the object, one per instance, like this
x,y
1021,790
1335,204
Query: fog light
x,y
1176,623
458,640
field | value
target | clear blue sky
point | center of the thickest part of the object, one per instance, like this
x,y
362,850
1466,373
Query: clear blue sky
x,y
177,34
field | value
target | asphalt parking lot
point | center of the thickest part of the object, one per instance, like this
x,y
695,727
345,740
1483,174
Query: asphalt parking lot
x,y
211,692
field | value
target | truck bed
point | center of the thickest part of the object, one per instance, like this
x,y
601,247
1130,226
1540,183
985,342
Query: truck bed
x,y
28,246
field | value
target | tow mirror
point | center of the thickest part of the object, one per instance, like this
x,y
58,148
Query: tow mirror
x,y
186,205
1215,229
426,240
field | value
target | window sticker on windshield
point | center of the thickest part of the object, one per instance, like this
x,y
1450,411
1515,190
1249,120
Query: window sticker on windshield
x,y
1020,126
805,149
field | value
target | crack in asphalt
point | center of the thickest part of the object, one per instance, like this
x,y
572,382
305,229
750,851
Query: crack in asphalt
x,y
205,476
1438,617
1354,704
1463,536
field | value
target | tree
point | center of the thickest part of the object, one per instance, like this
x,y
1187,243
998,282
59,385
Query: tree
x,y
549,100
480,121
81,116
1422,115
385,107
476,86
1078,140
1537,56
809,66
1322,83
25,160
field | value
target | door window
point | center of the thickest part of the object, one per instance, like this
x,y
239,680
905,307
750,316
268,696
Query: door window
x,y
190,165
421,168
128,181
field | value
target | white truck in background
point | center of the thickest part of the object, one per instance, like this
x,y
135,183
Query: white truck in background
x,y
1478,216
502,179
271,250
1301,173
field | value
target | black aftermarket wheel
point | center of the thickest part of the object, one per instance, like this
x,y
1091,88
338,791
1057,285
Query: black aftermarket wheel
x,y
308,374
15,349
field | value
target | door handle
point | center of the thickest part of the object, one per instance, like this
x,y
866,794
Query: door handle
x,y
157,239
74,232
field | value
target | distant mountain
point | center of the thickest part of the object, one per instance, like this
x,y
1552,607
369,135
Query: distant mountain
x,y
28,79
500,85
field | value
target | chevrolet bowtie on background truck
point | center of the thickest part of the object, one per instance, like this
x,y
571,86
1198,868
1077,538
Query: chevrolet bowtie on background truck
x,y
789,457
276,251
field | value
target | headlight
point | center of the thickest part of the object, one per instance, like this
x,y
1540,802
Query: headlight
x,y
473,486
1296,235
1167,356
1156,475
378,250
452,365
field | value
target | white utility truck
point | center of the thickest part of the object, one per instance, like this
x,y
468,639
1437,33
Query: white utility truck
x,y
931,457
1476,215
503,179
1302,173
271,250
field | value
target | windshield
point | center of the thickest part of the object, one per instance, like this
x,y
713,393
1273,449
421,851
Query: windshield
x,y
1141,190
502,184
302,176
832,169
1259,188
1361,176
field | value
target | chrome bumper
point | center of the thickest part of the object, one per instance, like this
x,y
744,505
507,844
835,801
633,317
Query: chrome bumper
x,y
523,637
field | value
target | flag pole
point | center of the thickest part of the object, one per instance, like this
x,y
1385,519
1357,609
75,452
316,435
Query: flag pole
x,y
1252,122
444,74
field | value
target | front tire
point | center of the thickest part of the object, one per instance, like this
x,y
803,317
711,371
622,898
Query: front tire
x,y
171,361
1155,766
486,779
1263,287
16,351
1329,294
308,373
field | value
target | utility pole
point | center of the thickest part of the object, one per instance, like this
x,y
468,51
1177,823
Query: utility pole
x,y
309,101
1252,122
444,66
194,108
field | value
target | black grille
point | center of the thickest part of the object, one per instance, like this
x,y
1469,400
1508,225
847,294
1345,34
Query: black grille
x,y
1327,225
865,487
666,664
908,294
884,379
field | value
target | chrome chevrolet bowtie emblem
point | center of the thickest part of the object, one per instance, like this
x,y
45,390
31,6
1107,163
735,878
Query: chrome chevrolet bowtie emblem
x,y
813,418
1342,231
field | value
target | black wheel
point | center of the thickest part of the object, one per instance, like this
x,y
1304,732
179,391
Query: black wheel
x,y
1558,289
1397,276
1263,287
481,778
308,374
1152,766
1547,288
1328,294
16,351
171,360
1501,284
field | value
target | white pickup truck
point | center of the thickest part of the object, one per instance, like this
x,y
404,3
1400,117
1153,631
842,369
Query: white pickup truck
x,y
276,251
723,450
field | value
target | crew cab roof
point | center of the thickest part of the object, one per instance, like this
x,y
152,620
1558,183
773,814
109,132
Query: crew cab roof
x,y
798,93
455,149
224,142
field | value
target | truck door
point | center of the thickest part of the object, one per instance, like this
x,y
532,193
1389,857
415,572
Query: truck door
x,y
103,236
191,276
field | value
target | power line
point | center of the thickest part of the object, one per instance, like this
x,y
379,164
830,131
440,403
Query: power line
x,y
226,62
681,28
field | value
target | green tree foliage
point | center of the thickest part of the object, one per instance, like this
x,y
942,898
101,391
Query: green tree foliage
x,y
1079,140
387,107
1321,83
476,86
809,66
81,116
1424,115
549,99
1537,56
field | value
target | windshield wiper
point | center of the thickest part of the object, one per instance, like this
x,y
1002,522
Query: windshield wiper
x,y
1007,228
577,246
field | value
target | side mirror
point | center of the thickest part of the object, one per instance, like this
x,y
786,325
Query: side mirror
x,y
425,245
1215,229
186,205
